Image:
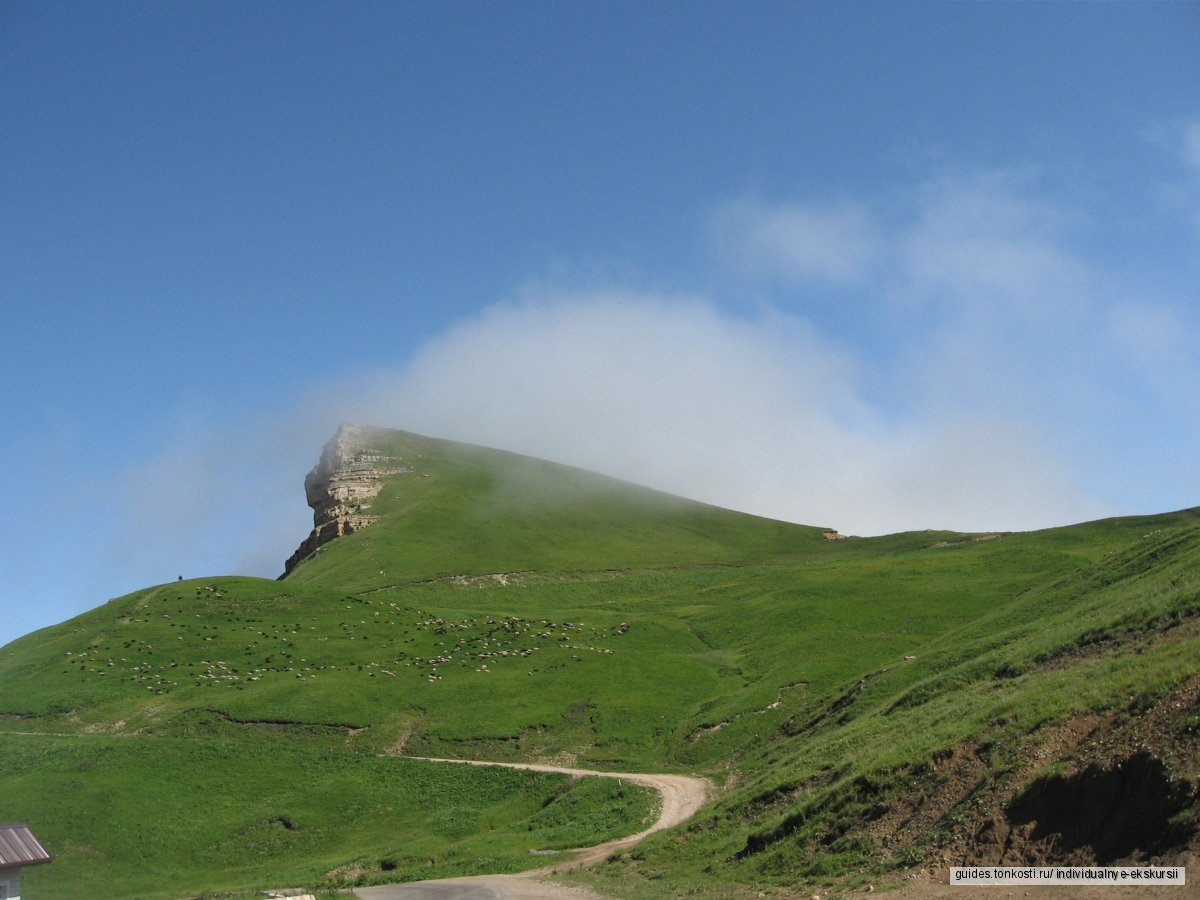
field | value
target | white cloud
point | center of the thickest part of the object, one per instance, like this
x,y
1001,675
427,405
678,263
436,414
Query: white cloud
x,y
1177,187
1013,378
837,244
217,498
982,246
758,415
1191,146
1151,334
992,309
1188,195
1011,371
1066,331
1155,346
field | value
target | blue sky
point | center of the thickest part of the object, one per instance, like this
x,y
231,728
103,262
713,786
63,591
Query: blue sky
x,y
872,266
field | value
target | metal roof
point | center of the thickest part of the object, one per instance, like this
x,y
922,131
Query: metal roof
x,y
18,847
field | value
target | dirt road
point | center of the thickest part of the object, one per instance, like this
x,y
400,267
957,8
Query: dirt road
x,y
682,796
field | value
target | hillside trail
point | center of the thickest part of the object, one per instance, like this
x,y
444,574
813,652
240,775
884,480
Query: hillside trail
x,y
682,796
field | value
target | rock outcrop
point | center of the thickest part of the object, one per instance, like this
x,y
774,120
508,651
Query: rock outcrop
x,y
340,487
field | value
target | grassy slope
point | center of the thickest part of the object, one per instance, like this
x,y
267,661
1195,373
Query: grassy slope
x,y
199,816
465,510
1115,637
635,631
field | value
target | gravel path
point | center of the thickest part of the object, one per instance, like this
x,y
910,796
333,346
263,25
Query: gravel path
x,y
682,796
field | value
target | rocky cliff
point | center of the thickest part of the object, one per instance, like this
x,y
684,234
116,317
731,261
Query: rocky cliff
x,y
341,486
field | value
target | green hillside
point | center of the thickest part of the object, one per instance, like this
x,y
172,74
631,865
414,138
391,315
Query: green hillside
x,y
865,705
466,510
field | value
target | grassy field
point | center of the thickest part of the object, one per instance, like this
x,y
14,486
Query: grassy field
x,y
511,609
202,815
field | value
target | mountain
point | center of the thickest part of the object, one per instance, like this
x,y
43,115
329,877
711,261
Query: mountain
x,y
867,706
451,509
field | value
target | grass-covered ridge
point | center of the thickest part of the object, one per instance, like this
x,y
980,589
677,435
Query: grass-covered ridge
x,y
513,609
460,510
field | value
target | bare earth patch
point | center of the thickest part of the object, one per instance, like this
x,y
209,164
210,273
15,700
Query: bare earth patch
x,y
1117,789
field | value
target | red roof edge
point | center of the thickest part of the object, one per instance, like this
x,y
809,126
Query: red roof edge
x,y
18,846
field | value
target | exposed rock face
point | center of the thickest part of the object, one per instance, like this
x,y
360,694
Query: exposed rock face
x,y
340,487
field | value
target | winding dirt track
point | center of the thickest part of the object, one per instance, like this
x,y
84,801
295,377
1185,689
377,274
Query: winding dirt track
x,y
682,796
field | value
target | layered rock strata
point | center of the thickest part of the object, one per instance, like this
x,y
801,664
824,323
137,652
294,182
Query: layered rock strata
x,y
340,487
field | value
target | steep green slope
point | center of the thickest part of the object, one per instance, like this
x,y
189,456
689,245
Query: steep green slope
x,y
512,609
1076,703
457,509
